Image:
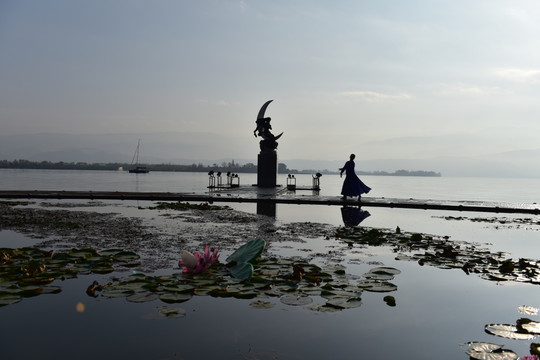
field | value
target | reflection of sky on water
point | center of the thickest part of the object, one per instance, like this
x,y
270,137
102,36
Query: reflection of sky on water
x,y
11,239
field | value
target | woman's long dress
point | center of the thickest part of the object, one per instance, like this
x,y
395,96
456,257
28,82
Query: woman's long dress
x,y
352,186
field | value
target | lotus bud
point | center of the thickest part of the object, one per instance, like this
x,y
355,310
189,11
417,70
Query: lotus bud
x,y
188,259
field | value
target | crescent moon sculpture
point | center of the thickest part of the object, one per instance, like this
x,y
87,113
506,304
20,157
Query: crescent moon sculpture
x,y
263,110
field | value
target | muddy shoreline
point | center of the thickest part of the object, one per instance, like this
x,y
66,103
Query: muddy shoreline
x,y
156,235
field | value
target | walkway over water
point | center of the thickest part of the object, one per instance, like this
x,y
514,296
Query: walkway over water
x,y
252,194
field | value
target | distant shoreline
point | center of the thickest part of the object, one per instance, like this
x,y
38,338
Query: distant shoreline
x,y
224,168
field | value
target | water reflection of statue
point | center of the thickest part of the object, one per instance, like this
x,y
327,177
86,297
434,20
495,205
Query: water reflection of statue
x,y
352,216
262,129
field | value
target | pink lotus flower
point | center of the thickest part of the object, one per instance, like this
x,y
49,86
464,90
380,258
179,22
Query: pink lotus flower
x,y
197,263
529,357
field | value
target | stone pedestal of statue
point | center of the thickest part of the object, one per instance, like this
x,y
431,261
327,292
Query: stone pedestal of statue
x,y
267,166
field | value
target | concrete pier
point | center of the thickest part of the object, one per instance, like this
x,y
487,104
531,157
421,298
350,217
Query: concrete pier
x,y
266,196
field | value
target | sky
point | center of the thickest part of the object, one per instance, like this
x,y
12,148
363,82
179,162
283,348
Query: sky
x,y
382,79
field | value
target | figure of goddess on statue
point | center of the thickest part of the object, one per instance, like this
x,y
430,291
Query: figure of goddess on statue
x,y
262,129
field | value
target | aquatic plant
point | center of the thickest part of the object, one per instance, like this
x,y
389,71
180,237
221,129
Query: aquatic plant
x,y
27,272
183,206
240,262
197,263
524,329
485,350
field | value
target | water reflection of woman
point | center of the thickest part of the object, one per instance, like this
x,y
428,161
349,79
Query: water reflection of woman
x,y
352,216
352,186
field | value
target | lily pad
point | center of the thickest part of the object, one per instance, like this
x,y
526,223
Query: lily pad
x,y
529,326
488,351
528,310
496,355
261,304
172,312
507,331
385,270
343,302
377,286
175,297
480,346
126,256
114,292
296,300
8,299
142,297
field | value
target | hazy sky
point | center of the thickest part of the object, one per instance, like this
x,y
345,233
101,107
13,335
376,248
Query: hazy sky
x,y
345,76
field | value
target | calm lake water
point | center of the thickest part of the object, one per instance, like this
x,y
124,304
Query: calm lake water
x,y
437,309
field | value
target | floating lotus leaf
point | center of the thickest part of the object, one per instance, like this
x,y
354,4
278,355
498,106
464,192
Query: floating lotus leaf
x,y
142,297
126,256
8,298
496,355
175,297
379,277
529,326
135,286
311,290
104,268
83,253
116,292
207,290
327,294
296,300
261,304
37,280
324,308
30,290
179,288
507,331
344,302
528,310
172,312
242,271
50,290
376,286
385,270
480,346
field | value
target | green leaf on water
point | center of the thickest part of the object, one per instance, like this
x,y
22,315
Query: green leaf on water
x,y
242,271
261,304
172,312
126,256
296,300
247,252
142,297
8,298
175,297
116,292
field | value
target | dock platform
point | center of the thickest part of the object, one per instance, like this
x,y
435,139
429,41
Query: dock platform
x,y
271,196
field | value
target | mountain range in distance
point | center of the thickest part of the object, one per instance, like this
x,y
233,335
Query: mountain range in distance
x,y
201,148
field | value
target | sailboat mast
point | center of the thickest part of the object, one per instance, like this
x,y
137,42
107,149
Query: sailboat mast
x,y
136,155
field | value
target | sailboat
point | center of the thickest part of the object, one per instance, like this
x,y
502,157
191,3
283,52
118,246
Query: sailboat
x,y
138,169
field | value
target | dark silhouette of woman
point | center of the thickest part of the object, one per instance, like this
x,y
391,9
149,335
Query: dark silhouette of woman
x,y
352,186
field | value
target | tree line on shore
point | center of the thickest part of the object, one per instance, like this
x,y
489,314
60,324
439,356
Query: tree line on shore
x,y
223,167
